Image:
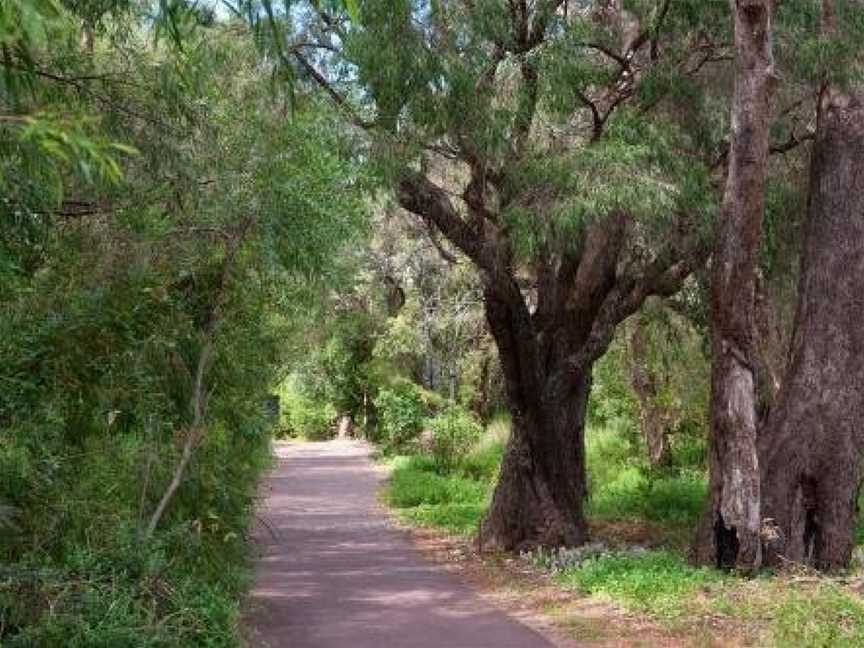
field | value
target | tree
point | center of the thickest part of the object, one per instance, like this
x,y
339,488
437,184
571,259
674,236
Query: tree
x,y
812,449
505,129
730,531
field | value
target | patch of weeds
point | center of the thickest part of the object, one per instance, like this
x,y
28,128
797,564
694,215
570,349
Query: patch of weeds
x,y
630,494
658,583
823,617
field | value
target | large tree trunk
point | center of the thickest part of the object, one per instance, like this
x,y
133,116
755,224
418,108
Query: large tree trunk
x,y
538,500
729,535
539,497
813,448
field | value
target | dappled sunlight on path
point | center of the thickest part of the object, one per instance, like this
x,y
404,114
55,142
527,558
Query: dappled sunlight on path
x,y
333,573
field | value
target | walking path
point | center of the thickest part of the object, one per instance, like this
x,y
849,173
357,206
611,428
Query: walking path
x,y
334,574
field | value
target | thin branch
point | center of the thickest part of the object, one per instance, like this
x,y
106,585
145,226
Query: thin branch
x,y
193,437
337,98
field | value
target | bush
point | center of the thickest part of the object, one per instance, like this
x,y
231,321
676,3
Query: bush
x,y
454,432
90,581
402,411
622,486
303,416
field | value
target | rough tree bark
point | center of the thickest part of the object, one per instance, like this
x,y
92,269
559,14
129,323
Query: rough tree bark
x,y
542,485
729,534
812,452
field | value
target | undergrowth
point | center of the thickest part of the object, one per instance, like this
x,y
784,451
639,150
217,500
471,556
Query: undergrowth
x,y
87,579
659,583
654,580
424,497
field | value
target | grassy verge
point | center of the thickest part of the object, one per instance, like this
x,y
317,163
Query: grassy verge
x,y
644,520
767,611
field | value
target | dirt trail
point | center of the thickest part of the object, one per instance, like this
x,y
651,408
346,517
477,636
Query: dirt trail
x,y
335,574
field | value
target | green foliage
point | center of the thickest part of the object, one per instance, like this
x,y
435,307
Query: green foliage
x,y
402,411
612,399
622,487
830,616
811,55
482,462
118,270
89,580
673,500
454,432
303,416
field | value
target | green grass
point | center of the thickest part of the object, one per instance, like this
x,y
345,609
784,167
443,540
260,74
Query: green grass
x,y
483,462
632,494
622,487
825,616
768,611
659,583
423,497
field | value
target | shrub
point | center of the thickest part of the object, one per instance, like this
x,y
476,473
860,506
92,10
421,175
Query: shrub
x,y
454,432
483,461
304,416
401,413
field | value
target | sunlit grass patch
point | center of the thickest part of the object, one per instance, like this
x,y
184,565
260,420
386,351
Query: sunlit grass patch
x,y
423,497
658,583
674,499
826,615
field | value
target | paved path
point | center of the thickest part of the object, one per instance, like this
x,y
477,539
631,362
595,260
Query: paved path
x,y
333,574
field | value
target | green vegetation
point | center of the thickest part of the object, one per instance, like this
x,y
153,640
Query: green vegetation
x,y
226,222
163,231
424,496
622,486
643,519
302,415
659,583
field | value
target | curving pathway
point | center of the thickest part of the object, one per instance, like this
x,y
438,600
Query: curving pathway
x,y
334,574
